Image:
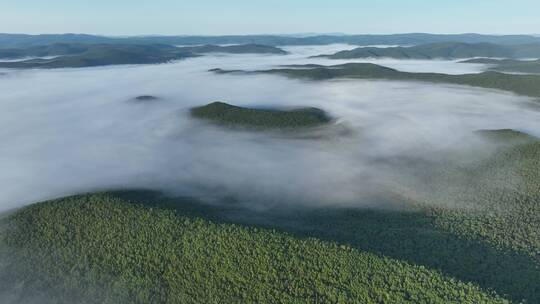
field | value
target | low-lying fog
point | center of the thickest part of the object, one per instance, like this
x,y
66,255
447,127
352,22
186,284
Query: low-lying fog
x,y
26,58
67,131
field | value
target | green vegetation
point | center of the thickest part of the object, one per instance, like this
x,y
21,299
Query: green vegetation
x,y
479,223
145,98
446,50
507,136
506,190
229,115
528,85
469,235
102,249
509,65
235,49
105,54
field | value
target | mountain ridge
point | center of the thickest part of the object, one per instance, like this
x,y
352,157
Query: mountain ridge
x,y
23,40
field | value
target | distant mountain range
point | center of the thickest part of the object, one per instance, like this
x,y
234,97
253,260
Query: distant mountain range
x,y
22,40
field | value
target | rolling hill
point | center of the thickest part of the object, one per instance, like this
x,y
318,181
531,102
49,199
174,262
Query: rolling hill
x,y
56,49
509,65
64,55
100,55
101,248
446,50
61,49
527,85
233,116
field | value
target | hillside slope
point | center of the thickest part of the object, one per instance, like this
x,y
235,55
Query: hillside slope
x,y
475,233
102,55
101,249
527,85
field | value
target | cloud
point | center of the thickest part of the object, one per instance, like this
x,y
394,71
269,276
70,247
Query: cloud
x,y
74,130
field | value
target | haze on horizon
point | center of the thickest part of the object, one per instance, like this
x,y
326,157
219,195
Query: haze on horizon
x,y
206,17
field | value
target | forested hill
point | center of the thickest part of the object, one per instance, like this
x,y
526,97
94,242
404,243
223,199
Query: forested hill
x,y
101,55
145,247
230,115
526,85
508,65
446,50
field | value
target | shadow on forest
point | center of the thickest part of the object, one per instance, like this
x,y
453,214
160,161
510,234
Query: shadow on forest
x,y
407,236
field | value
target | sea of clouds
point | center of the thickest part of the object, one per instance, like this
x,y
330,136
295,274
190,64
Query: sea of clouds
x,y
67,131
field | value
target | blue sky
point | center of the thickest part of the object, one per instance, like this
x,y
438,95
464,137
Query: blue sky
x,y
124,17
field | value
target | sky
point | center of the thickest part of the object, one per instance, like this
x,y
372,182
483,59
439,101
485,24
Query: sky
x,y
206,17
